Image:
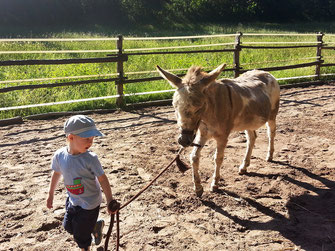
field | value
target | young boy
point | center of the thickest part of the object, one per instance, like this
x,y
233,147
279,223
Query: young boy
x,y
83,175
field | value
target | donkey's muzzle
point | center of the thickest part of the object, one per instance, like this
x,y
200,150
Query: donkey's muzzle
x,y
186,138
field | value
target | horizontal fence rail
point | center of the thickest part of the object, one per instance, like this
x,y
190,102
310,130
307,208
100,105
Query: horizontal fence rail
x,y
120,58
120,55
280,68
31,87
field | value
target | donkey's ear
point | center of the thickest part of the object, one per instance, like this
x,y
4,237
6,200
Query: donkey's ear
x,y
210,77
174,80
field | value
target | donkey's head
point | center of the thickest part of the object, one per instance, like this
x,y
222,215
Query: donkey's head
x,y
189,99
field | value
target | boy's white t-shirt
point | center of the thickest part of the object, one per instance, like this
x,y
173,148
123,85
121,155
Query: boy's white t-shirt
x,y
80,174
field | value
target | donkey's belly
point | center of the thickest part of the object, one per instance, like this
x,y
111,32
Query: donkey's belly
x,y
248,123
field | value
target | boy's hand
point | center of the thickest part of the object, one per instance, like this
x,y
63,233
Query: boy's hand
x,y
113,207
50,202
53,184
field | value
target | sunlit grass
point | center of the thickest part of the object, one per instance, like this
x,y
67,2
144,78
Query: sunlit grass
x,y
249,59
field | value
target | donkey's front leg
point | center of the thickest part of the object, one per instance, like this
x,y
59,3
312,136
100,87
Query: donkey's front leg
x,y
218,158
201,140
195,158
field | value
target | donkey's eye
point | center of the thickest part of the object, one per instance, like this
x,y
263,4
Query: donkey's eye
x,y
198,110
187,114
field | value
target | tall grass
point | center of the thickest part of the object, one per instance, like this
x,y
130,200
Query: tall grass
x,y
249,59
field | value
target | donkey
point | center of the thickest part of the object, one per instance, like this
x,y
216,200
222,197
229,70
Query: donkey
x,y
208,108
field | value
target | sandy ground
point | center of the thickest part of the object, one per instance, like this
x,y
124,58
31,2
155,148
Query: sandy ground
x,y
288,204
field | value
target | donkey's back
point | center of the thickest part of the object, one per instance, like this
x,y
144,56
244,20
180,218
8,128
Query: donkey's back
x,y
254,99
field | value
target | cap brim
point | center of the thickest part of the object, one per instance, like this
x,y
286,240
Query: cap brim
x,y
91,133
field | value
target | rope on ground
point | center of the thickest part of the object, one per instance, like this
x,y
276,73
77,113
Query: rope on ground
x,y
114,206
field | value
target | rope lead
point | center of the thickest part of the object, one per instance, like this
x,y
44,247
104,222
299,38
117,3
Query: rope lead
x,y
115,206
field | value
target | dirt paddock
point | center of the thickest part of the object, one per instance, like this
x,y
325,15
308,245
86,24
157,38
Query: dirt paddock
x,y
288,204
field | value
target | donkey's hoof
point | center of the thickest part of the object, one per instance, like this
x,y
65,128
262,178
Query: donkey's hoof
x,y
269,159
214,188
199,191
242,171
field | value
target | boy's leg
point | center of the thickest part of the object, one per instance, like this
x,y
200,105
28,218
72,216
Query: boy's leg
x,y
83,224
69,214
97,231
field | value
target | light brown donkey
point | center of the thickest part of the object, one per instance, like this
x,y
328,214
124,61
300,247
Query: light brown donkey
x,y
209,108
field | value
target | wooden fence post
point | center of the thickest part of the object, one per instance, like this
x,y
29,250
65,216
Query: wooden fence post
x,y
237,48
319,38
120,81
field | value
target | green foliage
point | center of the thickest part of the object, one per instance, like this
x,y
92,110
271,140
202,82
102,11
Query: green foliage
x,y
142,11
129,12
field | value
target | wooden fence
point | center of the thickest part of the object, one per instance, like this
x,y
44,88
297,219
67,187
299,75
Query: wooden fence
x,y
120,56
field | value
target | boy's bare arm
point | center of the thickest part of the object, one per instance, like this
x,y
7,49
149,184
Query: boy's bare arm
x,y
104,183
53,184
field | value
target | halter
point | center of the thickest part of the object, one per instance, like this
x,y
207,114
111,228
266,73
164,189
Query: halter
x,y
190,132
187,132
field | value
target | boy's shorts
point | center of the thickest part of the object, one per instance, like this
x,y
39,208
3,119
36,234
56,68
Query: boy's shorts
x,y
80,223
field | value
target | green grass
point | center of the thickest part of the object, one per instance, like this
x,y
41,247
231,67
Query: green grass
x,y
249,59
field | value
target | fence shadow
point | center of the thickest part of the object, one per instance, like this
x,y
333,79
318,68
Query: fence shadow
x,y
289,99
159,119
310,221
133,120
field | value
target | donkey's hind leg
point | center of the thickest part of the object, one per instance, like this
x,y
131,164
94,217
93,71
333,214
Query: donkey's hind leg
x,y
251,138
271,128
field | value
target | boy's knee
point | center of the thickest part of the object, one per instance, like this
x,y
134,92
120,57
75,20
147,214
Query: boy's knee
x,y
68,227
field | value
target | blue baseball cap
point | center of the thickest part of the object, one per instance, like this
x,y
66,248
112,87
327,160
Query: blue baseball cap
x,y
81,126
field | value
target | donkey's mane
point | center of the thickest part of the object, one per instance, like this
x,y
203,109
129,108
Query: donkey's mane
x,y
193,74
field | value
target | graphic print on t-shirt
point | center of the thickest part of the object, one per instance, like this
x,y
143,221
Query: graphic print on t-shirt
x,y
77,187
